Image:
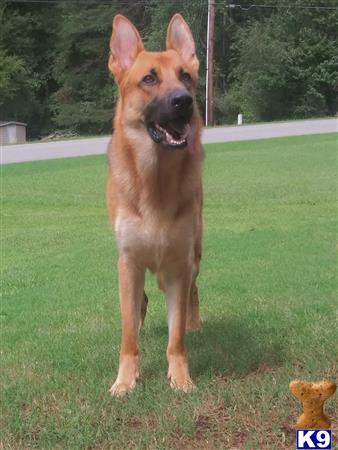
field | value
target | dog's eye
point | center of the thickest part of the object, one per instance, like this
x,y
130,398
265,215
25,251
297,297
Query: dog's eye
x,y
149,79
185,77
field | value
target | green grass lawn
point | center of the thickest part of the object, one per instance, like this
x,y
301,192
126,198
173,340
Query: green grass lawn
x,y
268,300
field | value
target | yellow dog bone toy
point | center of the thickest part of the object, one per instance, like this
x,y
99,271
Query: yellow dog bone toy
x,y
313,396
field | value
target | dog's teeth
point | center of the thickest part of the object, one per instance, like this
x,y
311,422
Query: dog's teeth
x,y
168,137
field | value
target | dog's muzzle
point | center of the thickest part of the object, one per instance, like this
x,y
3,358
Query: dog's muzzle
x,y
168,119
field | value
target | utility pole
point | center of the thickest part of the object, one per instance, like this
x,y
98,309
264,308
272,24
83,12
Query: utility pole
x,y
209,94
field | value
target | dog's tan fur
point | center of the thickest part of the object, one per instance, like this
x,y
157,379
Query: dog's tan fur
x,y
154,199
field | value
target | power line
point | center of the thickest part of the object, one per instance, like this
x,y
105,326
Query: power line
x,y
76,2
145,2
248,7
92,2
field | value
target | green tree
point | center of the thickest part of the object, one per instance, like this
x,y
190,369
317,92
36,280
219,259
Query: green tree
x,y
286,64
278,62
17,100
28,34
85,98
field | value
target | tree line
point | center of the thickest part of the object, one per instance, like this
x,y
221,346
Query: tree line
x,y
273,62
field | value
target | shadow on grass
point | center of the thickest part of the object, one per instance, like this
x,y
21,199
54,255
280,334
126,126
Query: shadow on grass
x,y
232,347
225,347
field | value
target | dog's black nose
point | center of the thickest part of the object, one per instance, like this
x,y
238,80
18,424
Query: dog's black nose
x,y
181,100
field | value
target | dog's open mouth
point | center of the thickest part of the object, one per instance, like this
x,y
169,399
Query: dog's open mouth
x,y
169,135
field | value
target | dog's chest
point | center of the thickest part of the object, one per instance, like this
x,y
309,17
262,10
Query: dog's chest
x,y
153,242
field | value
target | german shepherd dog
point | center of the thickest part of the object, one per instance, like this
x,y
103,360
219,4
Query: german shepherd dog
x,y
154,190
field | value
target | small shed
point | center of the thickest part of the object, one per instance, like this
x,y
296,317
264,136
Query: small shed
x,y
12,133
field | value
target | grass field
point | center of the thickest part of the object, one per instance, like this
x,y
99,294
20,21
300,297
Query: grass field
x,y
268,301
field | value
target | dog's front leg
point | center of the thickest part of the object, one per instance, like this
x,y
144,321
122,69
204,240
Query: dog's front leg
x,y
131,284
177,293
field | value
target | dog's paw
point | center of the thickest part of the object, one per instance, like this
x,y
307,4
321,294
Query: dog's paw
x,y
178,375
187,386
120,389
127,376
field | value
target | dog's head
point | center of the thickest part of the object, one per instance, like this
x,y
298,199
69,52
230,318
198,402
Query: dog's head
x,y
157,89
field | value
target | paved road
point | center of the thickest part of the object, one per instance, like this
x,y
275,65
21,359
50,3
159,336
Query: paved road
x,y
97,146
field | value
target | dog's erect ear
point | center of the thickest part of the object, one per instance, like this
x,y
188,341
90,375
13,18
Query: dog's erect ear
x,y
179,38
125,44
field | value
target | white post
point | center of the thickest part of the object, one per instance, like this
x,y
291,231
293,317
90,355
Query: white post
x,y
240,119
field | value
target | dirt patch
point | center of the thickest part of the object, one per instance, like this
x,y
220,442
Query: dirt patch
x,y
210,430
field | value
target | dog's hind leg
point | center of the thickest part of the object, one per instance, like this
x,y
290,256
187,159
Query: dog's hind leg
x,y
143,309
193,319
